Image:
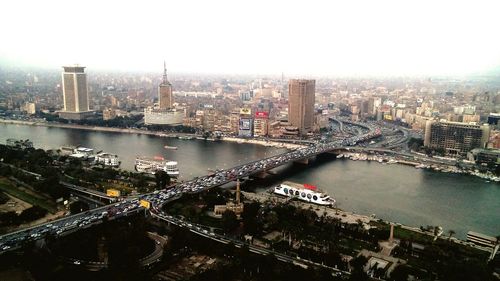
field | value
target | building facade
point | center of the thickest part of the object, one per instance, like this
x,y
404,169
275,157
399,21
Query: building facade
x,y
455,138
155,116
301,94
165,96
75,93
260,124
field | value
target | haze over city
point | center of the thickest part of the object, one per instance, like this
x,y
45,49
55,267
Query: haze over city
x,y
250,140
373,38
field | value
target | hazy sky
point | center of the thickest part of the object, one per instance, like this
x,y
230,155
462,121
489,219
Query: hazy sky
x,y
296,37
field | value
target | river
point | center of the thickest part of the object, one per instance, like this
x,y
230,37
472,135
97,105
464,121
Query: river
x,y
393,192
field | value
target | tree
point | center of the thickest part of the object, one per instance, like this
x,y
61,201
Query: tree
x,y
162,179
451,232
229,221
400,273
78,207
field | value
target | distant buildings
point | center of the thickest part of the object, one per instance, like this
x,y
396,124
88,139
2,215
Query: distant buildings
x,y
455,138
301,95
75,93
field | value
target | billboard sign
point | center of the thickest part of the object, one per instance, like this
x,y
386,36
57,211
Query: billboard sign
x,y
113,192
145,204
245,111
245,124
261,114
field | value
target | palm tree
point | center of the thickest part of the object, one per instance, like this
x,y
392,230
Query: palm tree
x,y
451,232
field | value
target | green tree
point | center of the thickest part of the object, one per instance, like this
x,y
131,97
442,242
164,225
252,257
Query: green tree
x,y
229,221
162,179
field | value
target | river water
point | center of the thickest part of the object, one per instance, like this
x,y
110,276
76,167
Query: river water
x,y
392,192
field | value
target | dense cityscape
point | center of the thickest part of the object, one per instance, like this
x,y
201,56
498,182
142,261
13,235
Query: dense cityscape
x,y
170,174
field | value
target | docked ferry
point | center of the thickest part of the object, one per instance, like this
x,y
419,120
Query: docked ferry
x,y
304,192
152,165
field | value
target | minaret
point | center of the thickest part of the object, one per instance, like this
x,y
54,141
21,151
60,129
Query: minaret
x,y
238,191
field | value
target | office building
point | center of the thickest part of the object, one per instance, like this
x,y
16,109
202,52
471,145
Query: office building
x,y
260,124
108,114
246,123
301,95
75,93
493,118
172,117
455,138
165,97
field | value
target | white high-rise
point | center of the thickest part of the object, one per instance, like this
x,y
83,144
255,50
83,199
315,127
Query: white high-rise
x,y
75,93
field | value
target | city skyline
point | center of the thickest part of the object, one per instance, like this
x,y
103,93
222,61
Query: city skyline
x,y
358,38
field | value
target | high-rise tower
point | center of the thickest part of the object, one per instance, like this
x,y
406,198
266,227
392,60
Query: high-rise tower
x,y
75,93
165,97
301,95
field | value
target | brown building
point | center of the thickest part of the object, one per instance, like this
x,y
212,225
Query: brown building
x,y
301,104
108,114
165,97
75,93
454,137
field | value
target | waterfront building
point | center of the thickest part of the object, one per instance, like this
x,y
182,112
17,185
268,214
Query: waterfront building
x,y
260,124
165,96
30,108
108,114
486,157
75,93
245,123
164,113
156,116
301,95
455,138
234,120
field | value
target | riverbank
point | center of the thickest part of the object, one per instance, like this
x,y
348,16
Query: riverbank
x,y
417,164
351,217
270,143
264,142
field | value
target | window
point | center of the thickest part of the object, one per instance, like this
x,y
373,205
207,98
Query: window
x,y
285,190
309,196
297,193
315,197
303,194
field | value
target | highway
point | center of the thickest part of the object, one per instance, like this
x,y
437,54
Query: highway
x,y
158,198
206,232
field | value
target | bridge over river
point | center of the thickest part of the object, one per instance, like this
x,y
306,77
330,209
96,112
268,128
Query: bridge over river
x,y
157,199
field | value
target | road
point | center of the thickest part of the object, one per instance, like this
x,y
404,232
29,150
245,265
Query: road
x,y
205,231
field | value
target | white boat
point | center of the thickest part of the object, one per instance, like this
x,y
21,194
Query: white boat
x,y
304,192
170,147
152,165
107,159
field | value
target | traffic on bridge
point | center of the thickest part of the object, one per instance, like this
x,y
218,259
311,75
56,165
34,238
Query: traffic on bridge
x,y
157,199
